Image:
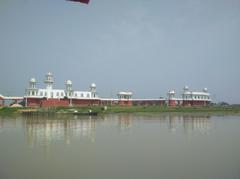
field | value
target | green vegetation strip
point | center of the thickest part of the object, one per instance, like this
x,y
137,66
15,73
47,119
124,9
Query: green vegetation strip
x,y
8,111
119,109
142,109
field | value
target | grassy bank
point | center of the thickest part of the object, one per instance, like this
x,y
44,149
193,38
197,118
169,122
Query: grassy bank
x,y
156,109
118,109
9,111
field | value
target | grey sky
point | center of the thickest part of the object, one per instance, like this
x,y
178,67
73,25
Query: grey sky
x,y
144,46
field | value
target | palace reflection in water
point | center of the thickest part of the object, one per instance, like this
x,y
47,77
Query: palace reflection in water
x,y
144,145
45,130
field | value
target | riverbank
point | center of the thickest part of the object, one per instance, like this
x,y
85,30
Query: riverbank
x,y
118,109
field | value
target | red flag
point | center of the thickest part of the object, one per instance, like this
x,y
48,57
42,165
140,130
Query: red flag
x,y
82,1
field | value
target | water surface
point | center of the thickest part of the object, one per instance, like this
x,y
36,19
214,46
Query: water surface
x,y
121,146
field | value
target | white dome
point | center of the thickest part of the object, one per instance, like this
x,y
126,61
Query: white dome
x,y
172,92
68,82
205,89
186,88
93,85
49,74
32,80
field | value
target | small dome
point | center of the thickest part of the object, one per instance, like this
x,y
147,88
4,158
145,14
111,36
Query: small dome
x,y
93,85
49,74
172,92
68,82
205,90
186,88
32,80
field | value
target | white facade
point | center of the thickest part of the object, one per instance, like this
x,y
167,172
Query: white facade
x,y
124,95
195,95
171,95
50,93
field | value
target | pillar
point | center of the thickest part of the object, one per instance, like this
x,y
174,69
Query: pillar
x,y
26,102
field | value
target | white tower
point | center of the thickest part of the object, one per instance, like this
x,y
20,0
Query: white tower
x,y
186,93
171,95
93,90
69,89
185,89
49,81
32,90
32,83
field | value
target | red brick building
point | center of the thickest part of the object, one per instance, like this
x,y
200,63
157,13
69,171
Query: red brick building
x,y
195,98
49,97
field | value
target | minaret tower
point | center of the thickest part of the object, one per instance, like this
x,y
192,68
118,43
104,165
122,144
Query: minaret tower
x,y
186,96
49,81
32,83
32,90
93,90
171,98
69,89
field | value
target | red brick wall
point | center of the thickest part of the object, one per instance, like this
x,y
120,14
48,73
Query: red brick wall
x,y
195,103
109,102
125,102
148,102
198,103
85,102
187,103
32,102
172,103
54,103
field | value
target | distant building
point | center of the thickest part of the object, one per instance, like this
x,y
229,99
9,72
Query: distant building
x,y
48,97
125,98
195,98
189,98
59,97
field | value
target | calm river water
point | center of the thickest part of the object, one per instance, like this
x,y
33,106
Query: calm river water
x,y
121,146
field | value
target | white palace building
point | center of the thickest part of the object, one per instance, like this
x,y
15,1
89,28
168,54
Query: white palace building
x,y
47,97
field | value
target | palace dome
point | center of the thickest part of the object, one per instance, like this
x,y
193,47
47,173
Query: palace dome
x,y
33,80
68,82
186,88
93,85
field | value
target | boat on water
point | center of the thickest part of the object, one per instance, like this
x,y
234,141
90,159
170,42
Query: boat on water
x,y
77,113
85,113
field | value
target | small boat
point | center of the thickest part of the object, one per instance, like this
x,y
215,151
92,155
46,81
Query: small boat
x,y
89,113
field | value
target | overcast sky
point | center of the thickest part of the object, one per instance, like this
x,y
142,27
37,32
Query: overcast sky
x,y
144,46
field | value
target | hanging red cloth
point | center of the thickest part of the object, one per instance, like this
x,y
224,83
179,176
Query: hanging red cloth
x,y
82,1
